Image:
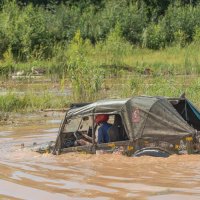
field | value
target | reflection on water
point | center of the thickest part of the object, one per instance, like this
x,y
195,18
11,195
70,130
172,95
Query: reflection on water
x,y
27,175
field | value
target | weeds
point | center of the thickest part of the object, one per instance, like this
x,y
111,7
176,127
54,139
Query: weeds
x,y
13,102
85,78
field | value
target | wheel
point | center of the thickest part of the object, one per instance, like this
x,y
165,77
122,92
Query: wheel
x,y
155,152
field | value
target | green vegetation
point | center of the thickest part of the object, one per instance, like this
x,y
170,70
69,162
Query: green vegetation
x,y
121,87
30,102
149,47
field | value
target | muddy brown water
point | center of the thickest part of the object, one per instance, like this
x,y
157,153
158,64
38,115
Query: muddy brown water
x,y
31,176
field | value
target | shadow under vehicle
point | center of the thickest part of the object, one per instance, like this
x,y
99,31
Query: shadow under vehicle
x,y
142,125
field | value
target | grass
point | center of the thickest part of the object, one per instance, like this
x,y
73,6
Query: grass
x,y
171,71
112,67
112,52
31,102
174,60
123,86
168,85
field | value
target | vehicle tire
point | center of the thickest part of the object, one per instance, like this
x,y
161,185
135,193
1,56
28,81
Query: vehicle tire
x,y
154,152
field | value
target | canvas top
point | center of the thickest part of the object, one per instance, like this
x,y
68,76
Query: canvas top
x,y
142,116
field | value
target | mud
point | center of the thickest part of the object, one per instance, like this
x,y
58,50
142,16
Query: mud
x,y
28,175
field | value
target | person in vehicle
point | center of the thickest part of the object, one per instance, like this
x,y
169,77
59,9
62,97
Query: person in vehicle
x,y
102,121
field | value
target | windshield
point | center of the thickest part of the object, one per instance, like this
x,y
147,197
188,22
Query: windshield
x,y
77,124
72,125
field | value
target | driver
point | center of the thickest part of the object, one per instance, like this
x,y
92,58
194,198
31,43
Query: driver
x,y
102,121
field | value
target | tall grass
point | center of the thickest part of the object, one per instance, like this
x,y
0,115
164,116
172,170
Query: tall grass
x,y
85,77
167,85
121,87
13,102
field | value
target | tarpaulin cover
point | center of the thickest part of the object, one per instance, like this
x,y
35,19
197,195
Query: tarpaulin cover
x,y
141,116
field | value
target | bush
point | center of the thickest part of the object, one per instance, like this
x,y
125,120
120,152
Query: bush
x,y
154,37
133,21
196,35
85,78
182,21
11,102
180,38
115,44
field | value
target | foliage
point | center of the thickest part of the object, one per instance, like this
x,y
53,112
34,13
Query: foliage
x,y
88,41
33,32
181,21
180,38
155,8
85,78
79,38
114,46
13,102
196,36
154,37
